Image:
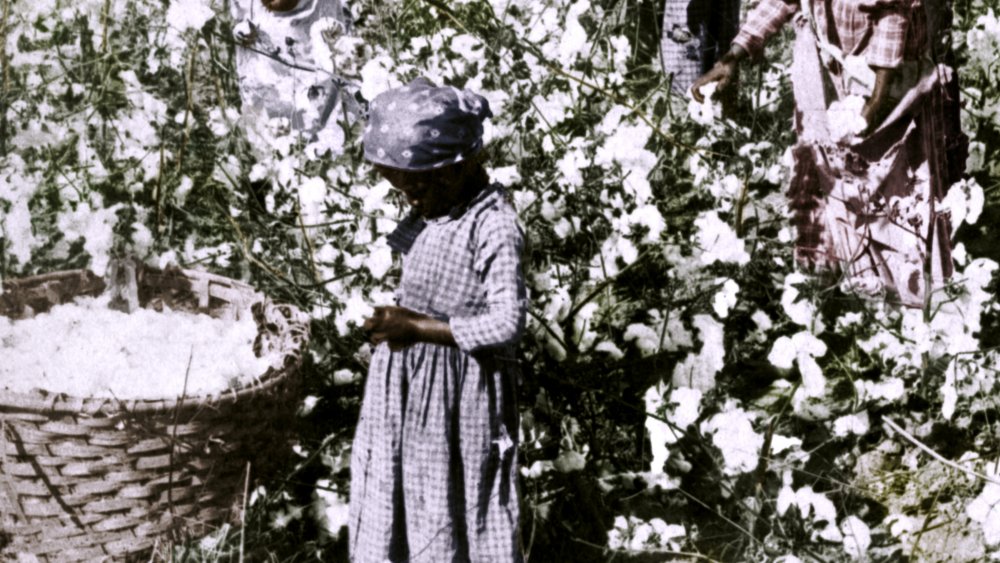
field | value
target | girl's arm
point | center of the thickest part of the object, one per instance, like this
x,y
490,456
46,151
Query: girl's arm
x,y
498,264
401,327
499,245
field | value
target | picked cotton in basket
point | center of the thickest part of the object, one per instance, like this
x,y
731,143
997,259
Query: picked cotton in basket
x,y
84,349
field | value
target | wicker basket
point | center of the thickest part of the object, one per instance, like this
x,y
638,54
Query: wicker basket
x,y
102,479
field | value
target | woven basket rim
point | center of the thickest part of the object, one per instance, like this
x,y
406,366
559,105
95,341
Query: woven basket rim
x,y
46,402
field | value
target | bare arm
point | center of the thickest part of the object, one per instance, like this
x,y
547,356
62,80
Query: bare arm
x,y
724,72
877,106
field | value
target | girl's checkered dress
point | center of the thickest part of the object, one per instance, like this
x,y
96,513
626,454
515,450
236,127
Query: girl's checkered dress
x,y
433,470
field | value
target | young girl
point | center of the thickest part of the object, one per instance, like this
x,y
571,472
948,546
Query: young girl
x,y
433,469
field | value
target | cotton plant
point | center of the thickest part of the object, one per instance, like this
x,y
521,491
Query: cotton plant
x,y
984,510
636,535
657,230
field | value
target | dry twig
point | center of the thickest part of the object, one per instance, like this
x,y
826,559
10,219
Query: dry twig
x,y
909,438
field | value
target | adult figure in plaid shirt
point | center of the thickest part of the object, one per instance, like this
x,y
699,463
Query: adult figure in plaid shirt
x,y
433,468
865,207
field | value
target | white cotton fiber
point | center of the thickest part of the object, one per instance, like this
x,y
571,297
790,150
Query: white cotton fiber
x,y
84,349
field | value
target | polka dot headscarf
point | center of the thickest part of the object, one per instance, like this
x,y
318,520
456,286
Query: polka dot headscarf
x,y
421,126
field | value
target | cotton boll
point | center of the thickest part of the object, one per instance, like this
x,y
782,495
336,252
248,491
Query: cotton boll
x,y
698,370
718,242
688,406
379,259
330,508
345,377
844,117
707,111
786,498
648,216
660,433
977,157
985,510
782,353
857,537
888,390
583,323
764,325
609,348
851,424
507,176
813,382
965,202
732,432
377,76
142,238
356,309
574,39
645,338
801,311
563,228
725,299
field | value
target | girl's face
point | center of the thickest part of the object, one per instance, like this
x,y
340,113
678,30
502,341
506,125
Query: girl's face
x,y
280,5
430,193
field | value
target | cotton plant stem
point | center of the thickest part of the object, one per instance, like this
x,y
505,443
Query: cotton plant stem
x,y
731,522
309,244
245,249
4,76
5,79
158,189
104,22
607,282
189,91
243,514
926,449
741,204
220,97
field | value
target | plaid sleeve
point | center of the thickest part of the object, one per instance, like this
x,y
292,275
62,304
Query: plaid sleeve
x,y
888,44
499,244
763,21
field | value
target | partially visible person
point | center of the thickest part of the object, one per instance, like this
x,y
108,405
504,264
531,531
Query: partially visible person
x,y
434,461
283,65
865,207
696,33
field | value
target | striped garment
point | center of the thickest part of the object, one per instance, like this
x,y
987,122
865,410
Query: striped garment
x,y
862,209
884,32
433,467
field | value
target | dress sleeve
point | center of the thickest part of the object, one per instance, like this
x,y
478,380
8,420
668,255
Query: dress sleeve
x,y
763,21
499,244
888,44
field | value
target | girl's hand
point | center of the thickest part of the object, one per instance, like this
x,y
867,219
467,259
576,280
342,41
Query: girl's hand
x,y
401,327
395,325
